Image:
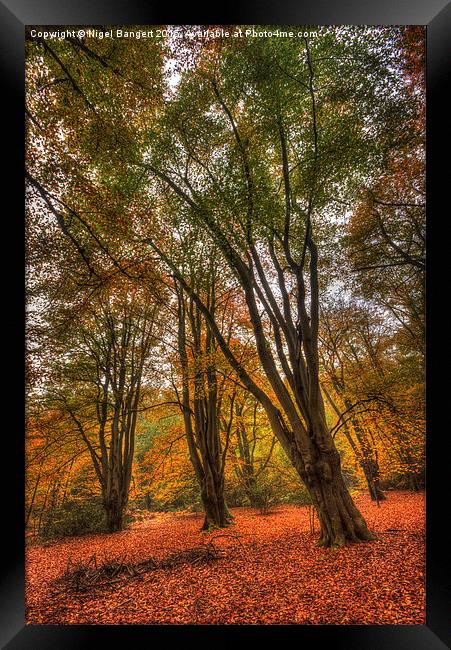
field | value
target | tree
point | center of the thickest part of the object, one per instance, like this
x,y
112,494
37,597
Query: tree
x,y
386,234
387,247
351,342
100,389
251,457
370,388
238,181
202,413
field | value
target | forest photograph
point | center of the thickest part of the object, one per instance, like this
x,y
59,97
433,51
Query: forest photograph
x,y
225,325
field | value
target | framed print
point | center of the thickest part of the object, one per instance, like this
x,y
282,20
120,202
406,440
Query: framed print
x,y
232,427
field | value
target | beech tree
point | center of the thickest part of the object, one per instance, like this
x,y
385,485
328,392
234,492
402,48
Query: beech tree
x,y
351,345
101,380
251,460
386,235
202,411
275,134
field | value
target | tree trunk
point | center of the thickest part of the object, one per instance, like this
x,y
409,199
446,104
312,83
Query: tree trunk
x,y
245,470
114,515
413,483
202,420
363,452
340,520
214,506
250,488
368,461
371,476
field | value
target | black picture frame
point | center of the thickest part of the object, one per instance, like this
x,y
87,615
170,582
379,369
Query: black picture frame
x,y
436,15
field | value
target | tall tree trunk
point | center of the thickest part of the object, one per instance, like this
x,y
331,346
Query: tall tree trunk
x,y
114,516
114,509
43,508
30,508
339,518
311,450
250,486
202,420
115,498
212,495
245,471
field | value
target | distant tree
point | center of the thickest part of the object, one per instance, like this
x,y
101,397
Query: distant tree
x,y
251,456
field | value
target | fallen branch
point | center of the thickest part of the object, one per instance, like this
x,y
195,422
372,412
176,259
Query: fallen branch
x,y
85,576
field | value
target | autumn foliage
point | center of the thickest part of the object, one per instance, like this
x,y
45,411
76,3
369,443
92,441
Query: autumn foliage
x,y
225,328
275,574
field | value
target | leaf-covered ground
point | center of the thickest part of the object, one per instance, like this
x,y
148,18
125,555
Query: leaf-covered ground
x,y
270,573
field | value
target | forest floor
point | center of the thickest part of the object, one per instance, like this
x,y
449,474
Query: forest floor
x,y
269,571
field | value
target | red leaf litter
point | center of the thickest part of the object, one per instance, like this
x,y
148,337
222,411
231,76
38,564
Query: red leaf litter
x,y
269,572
